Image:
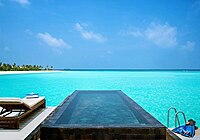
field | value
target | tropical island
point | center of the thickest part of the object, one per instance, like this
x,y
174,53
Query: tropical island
x,y
15,67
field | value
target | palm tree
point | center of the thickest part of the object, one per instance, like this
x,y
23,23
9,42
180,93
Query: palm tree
x,y
14,66
1,66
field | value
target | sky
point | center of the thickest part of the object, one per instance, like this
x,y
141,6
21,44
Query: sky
x,y
101,34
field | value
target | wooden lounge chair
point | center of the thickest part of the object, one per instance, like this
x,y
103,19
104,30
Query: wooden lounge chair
x,y
15,109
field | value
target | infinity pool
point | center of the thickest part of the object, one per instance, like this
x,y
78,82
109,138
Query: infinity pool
x,y
155,91
100,108
101,115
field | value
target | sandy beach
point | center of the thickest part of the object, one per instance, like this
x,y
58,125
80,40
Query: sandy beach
x,y
25,72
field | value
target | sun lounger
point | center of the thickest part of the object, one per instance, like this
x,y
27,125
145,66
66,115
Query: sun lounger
x,y
15,109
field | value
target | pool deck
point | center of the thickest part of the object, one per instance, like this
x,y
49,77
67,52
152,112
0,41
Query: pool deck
x,y
196,137
27,126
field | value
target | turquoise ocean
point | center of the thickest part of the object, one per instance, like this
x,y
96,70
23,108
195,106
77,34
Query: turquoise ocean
x,y
155,91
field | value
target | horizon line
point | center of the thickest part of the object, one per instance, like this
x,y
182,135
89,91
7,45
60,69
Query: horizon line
x,y
128,69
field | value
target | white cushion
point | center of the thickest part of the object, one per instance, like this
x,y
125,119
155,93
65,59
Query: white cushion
x,y
32,101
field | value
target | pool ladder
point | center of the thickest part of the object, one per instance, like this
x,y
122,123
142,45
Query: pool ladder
x,y
176,116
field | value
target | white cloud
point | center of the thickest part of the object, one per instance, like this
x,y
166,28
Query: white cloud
x,y
89,35
22,2
162,35
189,46
52,41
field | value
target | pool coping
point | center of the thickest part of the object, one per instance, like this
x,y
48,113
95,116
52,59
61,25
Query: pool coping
x,y
50,122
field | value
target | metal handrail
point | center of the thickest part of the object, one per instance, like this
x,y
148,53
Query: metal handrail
x,y
168,115
177,118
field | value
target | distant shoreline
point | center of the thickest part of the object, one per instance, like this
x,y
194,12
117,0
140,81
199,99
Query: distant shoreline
x,y
122,70
27,72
